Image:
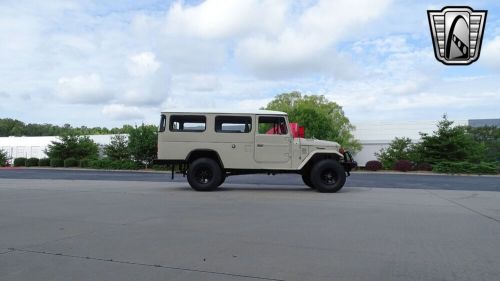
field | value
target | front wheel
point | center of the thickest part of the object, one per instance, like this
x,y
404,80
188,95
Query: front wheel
x,y
222,179
307,180
204,174
328,176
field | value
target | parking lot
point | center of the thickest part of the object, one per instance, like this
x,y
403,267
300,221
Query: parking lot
x,y
74,229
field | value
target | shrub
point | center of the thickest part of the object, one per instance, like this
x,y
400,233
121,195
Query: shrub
x,y
56,163
373,165
160,167
107,163
70,162
423,167
44,162
398,149
466,168
104,163
125,165
402,165
485,168
84,163
21,161
32,162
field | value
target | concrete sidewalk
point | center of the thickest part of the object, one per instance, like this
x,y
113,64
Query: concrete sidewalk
x,y
109,230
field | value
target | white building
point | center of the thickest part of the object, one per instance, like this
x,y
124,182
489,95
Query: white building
x,y
34,146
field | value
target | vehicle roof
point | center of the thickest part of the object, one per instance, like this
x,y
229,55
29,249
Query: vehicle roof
x,y
221,111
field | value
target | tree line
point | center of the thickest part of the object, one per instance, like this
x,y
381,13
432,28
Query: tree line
x,y
17,128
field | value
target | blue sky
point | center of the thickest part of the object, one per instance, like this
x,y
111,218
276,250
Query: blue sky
x,y
108,63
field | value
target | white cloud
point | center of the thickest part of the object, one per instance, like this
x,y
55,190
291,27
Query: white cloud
x,y
197,82
78,43
390,44
122,112
4,95
222,19
143,64
147,82
252,103
307,44
490,53
82,89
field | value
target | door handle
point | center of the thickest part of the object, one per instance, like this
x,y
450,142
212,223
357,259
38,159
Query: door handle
x,y
260,145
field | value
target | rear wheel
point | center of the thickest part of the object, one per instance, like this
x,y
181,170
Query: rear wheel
x,y
204,174
328,176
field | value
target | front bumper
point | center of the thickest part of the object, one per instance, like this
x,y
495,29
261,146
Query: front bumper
x,y
348,162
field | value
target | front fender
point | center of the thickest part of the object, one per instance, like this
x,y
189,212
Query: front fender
x,y
319,152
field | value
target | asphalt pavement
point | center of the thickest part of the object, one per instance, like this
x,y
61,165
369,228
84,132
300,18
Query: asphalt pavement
x,y
59,229
357,179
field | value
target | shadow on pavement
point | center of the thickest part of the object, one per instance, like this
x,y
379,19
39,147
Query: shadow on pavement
x,y
264,188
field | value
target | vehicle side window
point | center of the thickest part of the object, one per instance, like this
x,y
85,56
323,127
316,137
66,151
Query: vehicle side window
x,y
272,125
233,124
163,123
187,123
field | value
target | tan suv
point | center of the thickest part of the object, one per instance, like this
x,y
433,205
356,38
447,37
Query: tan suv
x,y
208,146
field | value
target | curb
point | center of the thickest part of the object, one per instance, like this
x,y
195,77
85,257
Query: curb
x,y
421,174
88,169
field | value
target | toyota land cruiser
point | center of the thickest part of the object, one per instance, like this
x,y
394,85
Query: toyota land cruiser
x,y
209,146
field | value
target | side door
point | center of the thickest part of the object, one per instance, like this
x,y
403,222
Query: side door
x,y
273,141
233,140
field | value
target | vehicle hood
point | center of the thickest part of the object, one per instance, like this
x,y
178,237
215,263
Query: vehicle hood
x,y
320,143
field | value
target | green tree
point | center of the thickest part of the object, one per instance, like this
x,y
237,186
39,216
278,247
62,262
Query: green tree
x,y
399,149
142,143
489,137
321,118
3,158
72,146
8,125
118,148
449,143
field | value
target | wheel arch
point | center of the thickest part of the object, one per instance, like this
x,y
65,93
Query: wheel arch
x,y
317,156
201,153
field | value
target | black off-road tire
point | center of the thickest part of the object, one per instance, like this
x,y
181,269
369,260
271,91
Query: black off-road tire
x,y
328,175
306,177
222,178
204,174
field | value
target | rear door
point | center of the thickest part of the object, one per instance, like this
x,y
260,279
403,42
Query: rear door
x,y
273,141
